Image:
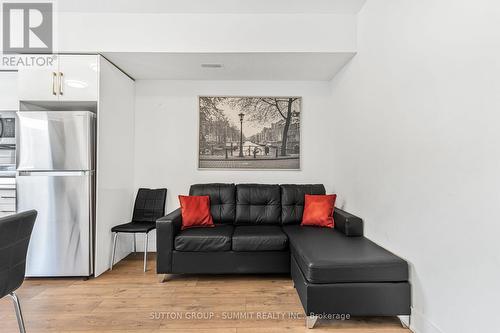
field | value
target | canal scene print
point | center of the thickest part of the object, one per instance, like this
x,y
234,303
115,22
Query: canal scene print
x,y
249,132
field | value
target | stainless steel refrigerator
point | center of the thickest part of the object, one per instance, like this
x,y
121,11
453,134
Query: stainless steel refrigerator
x,y
55,176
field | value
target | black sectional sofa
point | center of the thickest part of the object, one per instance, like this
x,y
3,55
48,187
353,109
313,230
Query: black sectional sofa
x,y
335,271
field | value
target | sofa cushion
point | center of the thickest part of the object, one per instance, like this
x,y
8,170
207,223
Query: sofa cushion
x,y
259,238
213,239
292,201
222,200
328,256
257,204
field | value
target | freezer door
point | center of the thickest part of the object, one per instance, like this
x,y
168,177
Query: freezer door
x,y
60,244
55,140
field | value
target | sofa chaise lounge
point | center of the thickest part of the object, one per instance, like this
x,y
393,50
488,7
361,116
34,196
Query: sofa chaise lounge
x,y
335,271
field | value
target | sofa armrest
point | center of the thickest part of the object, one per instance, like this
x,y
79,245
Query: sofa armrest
x,y
348,224
167,227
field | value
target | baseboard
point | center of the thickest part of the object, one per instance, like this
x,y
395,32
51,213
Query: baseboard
x,y
419,323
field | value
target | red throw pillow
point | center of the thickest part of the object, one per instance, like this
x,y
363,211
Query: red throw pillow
x,y
195,211
318,210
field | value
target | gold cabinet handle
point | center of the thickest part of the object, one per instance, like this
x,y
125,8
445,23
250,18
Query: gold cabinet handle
x,y
54,82
61,83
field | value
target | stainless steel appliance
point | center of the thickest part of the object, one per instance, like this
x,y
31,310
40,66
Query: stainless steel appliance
x,y
7,128
7,161
7,195
55,176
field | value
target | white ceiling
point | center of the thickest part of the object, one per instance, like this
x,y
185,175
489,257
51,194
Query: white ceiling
x,y
211,6
236,66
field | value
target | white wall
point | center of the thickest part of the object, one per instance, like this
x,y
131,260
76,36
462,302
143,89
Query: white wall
x,y
166,133
111,32
416,145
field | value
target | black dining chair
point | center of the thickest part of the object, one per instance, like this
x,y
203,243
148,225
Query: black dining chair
x,y
15,233
149,206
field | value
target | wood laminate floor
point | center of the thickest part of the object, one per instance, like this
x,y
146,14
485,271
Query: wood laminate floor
x,y
129,300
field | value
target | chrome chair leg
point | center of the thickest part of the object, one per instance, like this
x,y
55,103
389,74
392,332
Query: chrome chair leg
x,y
19,314
113,253
145,250
135,250
405,321
311,321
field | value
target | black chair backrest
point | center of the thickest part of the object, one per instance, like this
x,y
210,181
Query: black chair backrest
x,y
15,233
149,204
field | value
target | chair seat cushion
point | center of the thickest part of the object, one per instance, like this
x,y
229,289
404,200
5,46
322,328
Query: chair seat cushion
x,y
202,239
134,227
327,256
259,238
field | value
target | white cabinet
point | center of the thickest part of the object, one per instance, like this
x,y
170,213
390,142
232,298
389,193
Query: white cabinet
x,y
8,91
68,78
78,77
38,83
